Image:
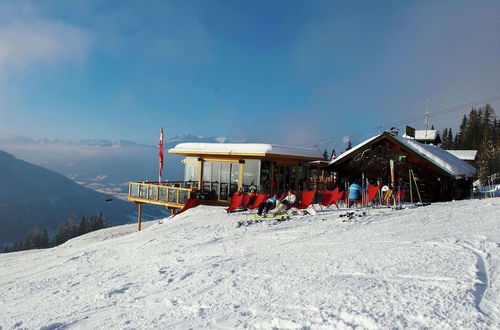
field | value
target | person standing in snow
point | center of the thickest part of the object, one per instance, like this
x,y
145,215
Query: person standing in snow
x,y
265,206
354,193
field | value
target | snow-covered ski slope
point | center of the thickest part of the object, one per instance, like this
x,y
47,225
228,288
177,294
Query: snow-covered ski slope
x,y
431,267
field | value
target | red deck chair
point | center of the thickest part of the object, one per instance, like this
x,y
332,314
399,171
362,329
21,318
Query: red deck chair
x,y
399,196
340,196
258,200
246,201
235,203
372,192
307,199
328,197
346,198
190,203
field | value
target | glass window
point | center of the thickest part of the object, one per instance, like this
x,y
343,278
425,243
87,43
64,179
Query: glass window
x,y
163,194
143,191
207,171
134,190
191,169
265,176
251,173
152,192
235,174
216,172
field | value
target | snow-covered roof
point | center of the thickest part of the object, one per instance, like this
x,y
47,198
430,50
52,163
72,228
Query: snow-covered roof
x,y
464,154
424,135
353,149
440,157
437,156
245,149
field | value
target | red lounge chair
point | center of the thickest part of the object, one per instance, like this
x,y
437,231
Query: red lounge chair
x,y
328,198
258,200
246,201
340,197
235,203
307,199
399,196
190,203
370,195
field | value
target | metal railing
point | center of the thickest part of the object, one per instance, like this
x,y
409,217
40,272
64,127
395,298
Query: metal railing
x,y
173,192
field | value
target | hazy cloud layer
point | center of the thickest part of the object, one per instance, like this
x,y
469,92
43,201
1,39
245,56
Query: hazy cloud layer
x,y
26,39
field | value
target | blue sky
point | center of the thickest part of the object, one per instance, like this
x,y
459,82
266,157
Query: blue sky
x,y
290,72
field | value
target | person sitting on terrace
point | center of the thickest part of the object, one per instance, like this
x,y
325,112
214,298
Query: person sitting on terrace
x,y
252,195
288,200
265,206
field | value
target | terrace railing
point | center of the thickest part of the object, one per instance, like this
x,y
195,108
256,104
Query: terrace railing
x,y
170,193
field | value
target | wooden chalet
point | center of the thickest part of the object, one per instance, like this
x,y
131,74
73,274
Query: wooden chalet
x,y
440,175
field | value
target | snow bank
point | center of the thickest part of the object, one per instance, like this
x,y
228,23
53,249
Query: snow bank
x,y
431,267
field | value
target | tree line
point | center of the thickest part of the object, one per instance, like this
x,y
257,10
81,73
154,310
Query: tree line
x,y
479,130
40,239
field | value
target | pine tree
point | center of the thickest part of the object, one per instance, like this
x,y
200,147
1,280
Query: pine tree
x,y
84,226
349,146
450,139
31,240
444,141
44,240
333,154
325,155
460,137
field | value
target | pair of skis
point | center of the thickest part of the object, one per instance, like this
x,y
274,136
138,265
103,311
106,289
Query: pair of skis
x,y
258,218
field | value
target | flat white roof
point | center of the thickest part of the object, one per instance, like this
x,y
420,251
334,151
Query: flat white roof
x,y
245,149
424,135
464,154
439,157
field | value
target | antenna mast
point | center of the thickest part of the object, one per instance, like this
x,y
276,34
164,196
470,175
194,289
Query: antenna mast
x,y
427,118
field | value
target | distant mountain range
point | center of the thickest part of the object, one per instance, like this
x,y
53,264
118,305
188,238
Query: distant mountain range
x,y
102,165
34,196
23,140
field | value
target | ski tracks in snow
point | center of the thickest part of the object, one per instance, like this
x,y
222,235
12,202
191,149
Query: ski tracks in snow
x,y
482,279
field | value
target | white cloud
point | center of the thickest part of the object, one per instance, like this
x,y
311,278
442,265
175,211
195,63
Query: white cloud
x,y
29,41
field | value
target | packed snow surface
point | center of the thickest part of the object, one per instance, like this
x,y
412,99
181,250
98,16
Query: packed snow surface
x,y
429,267
246,148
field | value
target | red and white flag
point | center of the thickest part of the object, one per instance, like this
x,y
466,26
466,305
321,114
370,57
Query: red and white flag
x,y
160,154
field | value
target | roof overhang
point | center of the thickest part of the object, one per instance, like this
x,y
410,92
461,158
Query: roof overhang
x,y
245,150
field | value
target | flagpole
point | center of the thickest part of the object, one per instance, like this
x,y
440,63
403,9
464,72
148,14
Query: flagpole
x,y
160,154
